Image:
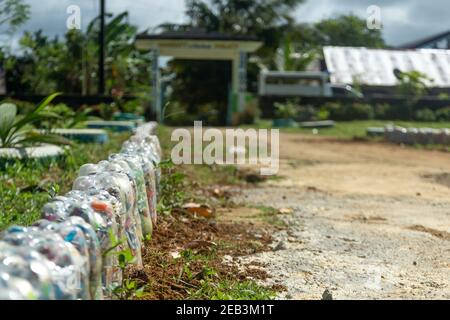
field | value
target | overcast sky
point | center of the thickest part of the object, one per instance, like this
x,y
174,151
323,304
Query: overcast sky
x,y
403,20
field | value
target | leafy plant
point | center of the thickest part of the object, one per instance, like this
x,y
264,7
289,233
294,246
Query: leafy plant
x,y
443,114
348,111
425,115
128,289
286,110
172,185
18,131
412,86
288,58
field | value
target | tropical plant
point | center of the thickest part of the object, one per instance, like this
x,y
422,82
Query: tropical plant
x,y
412,85
288,58
18,131
286,110
70,64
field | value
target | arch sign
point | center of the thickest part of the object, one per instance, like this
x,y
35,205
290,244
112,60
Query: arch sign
x,y
202,46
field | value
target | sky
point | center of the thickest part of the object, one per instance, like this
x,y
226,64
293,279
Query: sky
x,y
403,20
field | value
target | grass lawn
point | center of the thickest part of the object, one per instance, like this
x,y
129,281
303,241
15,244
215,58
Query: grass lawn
x,y
354,129
25,187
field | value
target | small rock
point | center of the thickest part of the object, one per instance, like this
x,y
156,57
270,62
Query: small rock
x,y
327,295
414,263
280,246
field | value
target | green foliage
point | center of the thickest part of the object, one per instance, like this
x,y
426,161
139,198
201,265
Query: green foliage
x,y
287,110
348,111
309,113
17,132
426,115
67,117
443,114
412,84
294,57
128,289
213,286
172,194
232,290
70,65
13,13
347,30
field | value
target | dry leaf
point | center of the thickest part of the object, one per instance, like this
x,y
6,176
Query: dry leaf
x,y
200,209
285,211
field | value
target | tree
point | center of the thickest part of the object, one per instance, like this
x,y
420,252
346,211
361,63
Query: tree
x,y
346,30
265,19
13,13
70,65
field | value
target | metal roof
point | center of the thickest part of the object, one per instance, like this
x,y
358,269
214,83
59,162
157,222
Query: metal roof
x,y
374,67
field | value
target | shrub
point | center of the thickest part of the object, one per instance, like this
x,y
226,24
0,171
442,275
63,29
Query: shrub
x,y
306,113
426,115
382,111
349,111
385,111
286,110
17,131
443,114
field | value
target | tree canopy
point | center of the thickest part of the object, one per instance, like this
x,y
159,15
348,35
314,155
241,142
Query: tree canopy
x,y
13,13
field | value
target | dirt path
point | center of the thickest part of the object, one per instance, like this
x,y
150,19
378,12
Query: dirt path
x,y
370,221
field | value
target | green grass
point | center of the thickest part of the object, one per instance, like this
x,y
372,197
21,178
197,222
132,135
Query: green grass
x,y
26,186
215,287
233,290
354,129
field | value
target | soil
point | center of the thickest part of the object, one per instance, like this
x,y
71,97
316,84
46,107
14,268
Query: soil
x,y
219,241
370,220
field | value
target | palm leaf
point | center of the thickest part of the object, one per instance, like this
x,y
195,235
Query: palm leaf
x,y
8,112
46,101
35,138
36,115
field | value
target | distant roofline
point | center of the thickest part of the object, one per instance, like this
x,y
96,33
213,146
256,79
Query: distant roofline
x,y
386,49
423,41
196,35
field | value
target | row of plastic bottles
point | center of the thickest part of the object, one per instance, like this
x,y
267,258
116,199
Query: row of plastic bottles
x,y
73,252
421,136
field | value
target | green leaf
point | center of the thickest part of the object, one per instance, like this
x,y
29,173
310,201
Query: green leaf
x,y
46,101
33,138
8,112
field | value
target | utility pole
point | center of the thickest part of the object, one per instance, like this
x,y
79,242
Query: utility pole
x,y
101,60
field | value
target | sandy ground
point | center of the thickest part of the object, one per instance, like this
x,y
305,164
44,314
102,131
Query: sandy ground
x,y
370,220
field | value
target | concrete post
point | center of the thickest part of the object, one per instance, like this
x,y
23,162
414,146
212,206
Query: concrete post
x,y
156,83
